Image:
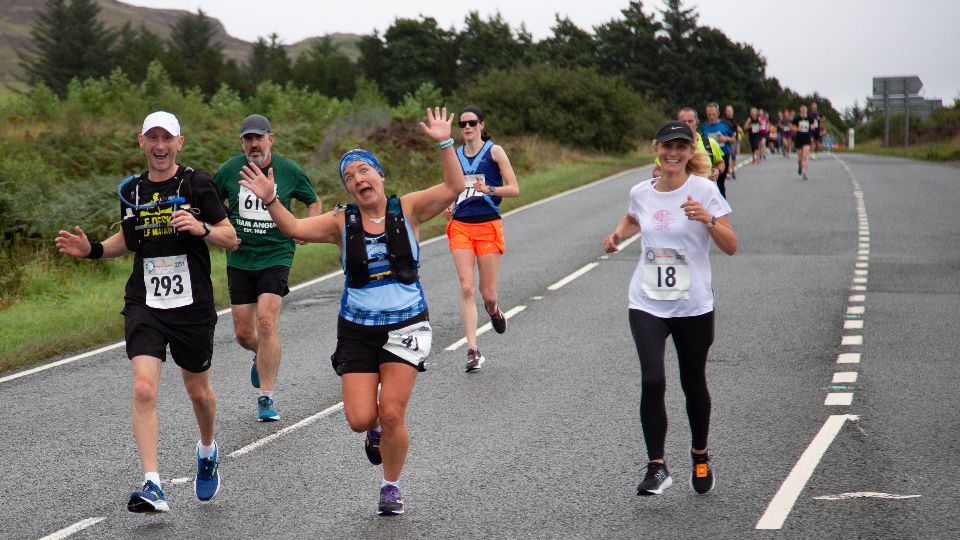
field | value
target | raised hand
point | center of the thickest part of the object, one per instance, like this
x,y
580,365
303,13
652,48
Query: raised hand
x,y
438,125
75,245
261,185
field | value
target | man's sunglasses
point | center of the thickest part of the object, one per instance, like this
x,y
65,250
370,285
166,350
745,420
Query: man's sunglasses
x,y
471,123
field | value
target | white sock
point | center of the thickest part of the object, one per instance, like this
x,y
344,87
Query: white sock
x,y
386,483
206,451
152,477
268,393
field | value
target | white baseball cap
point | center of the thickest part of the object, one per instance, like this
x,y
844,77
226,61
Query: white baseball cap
x,y
161,119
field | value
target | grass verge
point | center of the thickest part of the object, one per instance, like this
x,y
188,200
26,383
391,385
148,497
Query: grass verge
x,y
942,151
75,306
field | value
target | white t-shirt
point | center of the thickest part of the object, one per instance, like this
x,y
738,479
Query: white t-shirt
x,y
673,276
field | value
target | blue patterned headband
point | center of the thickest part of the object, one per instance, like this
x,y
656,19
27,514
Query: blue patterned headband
x,y
359,154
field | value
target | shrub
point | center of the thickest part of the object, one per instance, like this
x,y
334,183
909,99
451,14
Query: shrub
x,y
580,107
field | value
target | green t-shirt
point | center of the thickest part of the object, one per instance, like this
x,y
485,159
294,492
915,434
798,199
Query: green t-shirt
x,y
262,244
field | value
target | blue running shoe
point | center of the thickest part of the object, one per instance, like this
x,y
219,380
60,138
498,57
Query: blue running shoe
x,y
149,500
267,412
254,375
391,502
371,445
207,483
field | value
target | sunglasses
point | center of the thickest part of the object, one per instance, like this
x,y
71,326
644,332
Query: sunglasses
x,y
471,123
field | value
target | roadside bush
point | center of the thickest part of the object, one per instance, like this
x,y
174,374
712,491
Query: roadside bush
x,y
579,107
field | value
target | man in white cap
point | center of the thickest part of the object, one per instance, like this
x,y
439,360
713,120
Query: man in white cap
x,y
257,272
168,214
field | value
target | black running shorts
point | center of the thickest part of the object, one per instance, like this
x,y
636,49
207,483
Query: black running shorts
x,y
247,285
189,334
360,348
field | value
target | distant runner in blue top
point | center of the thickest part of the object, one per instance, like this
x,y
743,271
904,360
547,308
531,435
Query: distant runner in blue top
x,y
721,132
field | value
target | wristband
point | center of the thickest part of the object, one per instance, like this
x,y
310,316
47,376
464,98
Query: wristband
x,y
445,144
96,251
273,200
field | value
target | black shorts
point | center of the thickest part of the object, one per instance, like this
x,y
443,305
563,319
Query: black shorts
x,y
801,140
189,334
360,348
815,134
754,141
247,285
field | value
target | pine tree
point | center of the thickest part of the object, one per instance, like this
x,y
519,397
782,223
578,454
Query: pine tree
x,y
68,41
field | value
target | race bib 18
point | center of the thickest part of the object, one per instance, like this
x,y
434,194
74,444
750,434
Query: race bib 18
x,y
666,274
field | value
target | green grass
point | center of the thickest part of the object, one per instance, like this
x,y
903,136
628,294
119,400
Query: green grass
x,y
948,150
76,306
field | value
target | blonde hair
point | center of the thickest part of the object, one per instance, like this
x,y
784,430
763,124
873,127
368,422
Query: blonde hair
x,y
699,164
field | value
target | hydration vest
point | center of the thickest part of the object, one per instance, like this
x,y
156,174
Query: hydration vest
x,y
403,267
132,222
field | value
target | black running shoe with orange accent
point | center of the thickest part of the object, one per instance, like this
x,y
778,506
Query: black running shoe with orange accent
x,y
702,478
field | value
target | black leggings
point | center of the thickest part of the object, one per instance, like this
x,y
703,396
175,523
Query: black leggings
x,y
692,336
722,177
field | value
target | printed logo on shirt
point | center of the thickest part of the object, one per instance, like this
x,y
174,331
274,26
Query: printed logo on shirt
x,y
662,220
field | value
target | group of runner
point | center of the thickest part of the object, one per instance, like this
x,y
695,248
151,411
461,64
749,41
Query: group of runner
x,y
171,212
802,132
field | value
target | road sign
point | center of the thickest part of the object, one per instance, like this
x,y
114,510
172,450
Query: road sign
x,y
914,103
896,86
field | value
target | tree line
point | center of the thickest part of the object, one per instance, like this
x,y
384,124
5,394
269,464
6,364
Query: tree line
x,y
666,57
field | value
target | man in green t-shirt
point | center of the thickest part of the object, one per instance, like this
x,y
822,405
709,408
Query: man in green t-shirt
x,y
257,271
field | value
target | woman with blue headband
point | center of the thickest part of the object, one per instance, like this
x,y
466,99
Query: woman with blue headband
x,y
383,331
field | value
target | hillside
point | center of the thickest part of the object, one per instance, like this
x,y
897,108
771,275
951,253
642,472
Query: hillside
x,y
17,18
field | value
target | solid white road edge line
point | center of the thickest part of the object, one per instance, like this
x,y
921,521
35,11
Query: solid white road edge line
x,y
781,504
483,329
75,528
326,276
305,422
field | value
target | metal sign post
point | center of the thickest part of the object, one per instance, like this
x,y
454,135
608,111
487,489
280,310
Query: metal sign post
x,y
900,94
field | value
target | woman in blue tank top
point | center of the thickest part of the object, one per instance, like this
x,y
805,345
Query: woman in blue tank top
x,y
383,331
475,231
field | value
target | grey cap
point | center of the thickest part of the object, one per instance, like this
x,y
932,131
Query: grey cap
x,y
255,123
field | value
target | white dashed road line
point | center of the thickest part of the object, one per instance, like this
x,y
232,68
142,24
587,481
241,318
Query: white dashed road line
x,y
73,529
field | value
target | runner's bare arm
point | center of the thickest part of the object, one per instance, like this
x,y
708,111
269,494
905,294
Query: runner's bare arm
x,y
422,206
78,245
323,228
626,228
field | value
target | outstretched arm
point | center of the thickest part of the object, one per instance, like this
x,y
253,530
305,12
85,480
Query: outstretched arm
x,y
78,245
422,206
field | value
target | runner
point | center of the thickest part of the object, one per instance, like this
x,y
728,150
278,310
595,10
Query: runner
x,y
383,331
731,120
475,231
815,120
168,215
764,133
786,134
258,270
752,127
705,145
723,134
671,294
802,126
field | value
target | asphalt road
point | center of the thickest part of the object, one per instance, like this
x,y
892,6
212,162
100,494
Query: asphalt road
x,y
545,441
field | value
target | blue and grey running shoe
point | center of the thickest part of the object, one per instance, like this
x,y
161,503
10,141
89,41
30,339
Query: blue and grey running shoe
x,y
391,502
149,500
267,412
207,483
254,375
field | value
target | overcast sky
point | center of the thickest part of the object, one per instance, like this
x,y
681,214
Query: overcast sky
x,y
834,47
